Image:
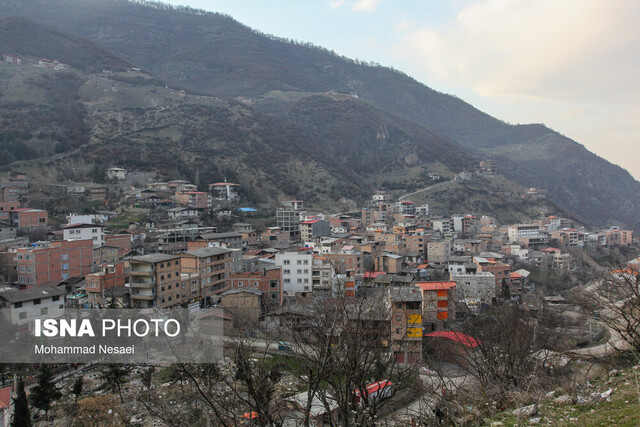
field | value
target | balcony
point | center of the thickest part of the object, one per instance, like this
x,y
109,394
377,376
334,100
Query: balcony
x,y
141,272
141,283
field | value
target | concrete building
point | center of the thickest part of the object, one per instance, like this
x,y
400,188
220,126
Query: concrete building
x,y
296,272
438,252
406,324
153,279
443,225
98,285
311,230
475,289
267,280
91,232
213,265
288,218
519,232
25,305
438,304
117,174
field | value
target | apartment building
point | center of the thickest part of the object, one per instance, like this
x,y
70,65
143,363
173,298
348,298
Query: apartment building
x,y
91,232
213,265
438,304
43,262
97,285
438,252
268,280
296,272
153,279
25,305
406,324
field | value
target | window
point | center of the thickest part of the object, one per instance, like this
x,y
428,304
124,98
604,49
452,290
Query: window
x,y
36,301
56,297
255,284
17,305
176,263
240,284
287,271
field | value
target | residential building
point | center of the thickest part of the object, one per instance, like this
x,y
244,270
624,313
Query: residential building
x,y
443,225
153,279
288,218
311,230
105,255
117,174
182,213
244,305
438,304
475,289
267,280
296,272
617,237
26,219
231,240
224,190
25,305
195,199
91,232
98,285
561,261
43,262
5,210
213,265
406,324
438,252
14,189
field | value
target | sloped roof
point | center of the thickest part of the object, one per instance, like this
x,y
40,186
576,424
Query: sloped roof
x,y
458,337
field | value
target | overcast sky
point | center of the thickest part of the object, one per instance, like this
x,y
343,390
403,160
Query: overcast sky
x,y
573,65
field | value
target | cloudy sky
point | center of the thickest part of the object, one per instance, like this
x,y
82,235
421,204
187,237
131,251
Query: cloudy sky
x,y
573,65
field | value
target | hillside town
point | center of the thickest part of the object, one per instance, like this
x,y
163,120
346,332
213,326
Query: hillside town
x,y
165,245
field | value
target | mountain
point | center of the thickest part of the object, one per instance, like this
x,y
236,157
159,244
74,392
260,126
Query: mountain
x,y
127,117
212,54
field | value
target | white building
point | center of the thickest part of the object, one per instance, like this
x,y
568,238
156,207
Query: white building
x,y
524,231
422,211
296,272
85,232
443,225
117,173
25,305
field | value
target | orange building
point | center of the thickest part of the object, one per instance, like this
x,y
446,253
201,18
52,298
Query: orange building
x,y
29,219
268,281
98,284
195,199
120,241
438,304
53,261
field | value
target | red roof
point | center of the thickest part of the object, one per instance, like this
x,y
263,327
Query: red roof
x,y
458,337
5,397
436,286
549,250
372,388
313,221
373,274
